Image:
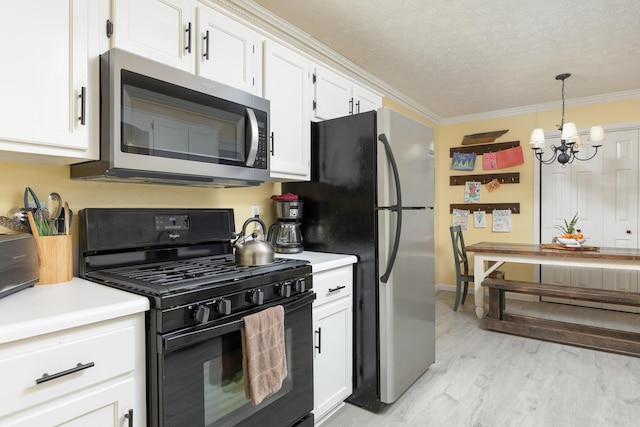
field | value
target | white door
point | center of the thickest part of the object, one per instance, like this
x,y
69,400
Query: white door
x,y
604,193
287,86
576,188
161,30
364,100
621,206
332,95
48,47
226,50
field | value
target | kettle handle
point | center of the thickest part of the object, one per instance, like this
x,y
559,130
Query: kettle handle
x,y
250,220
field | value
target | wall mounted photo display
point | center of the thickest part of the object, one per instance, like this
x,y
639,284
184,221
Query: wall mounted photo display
x,y
502,220
493,185
472,192
460,217
463,161
479,219
489,161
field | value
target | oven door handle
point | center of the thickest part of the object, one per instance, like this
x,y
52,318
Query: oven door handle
x,y
180,339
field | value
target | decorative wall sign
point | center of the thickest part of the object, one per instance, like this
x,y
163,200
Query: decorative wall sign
x,y
480,138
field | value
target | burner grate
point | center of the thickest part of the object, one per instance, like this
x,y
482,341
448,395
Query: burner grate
x,y
214,269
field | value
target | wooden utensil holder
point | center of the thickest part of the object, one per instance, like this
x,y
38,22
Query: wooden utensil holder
x,y
55,253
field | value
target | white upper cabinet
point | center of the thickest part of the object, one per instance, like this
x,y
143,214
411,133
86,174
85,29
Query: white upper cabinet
x,y
161,30
190,36
49,107
287,77
336,96
226,50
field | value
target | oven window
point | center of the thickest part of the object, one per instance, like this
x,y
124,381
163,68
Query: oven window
x,y
164,120
224,402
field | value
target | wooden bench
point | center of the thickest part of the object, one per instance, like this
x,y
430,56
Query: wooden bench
x,y
598,338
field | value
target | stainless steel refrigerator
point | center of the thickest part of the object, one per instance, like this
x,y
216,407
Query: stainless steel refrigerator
x,y
371,195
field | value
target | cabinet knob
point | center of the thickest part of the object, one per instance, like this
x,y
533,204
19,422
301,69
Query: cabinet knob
x,y
628,231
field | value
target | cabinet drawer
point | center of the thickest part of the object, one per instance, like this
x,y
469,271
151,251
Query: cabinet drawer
x,y
332,284
81,357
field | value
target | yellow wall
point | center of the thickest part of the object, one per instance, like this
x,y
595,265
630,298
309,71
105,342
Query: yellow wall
x,y
43,179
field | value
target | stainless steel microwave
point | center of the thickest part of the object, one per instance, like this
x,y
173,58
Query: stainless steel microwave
x,y
162,125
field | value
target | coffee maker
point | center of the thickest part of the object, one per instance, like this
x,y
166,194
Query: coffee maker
x,y
285,234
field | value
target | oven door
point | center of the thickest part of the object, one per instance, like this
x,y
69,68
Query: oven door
x,y
201,380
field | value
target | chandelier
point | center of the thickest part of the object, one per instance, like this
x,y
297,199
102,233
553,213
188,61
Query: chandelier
x,y
570,139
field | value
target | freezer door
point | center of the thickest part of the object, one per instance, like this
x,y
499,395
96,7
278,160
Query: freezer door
x,y
412,144
407,301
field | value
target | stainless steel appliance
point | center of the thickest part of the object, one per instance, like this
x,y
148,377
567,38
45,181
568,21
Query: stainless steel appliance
x,y
372,195
166,126
19,267
182,260
285,235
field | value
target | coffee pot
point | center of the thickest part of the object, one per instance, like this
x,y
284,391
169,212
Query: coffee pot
x,y
285,235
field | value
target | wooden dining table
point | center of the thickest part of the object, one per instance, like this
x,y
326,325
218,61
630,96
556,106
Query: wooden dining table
x,y
489,256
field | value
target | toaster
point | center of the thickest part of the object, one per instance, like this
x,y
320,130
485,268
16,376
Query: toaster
x,y
19,264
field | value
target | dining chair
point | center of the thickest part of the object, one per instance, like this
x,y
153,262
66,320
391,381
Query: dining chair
x,y
463,275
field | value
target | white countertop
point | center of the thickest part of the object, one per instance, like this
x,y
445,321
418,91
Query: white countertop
x,y
321,261
48,308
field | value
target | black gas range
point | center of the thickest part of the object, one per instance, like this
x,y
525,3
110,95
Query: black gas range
x,y
182,260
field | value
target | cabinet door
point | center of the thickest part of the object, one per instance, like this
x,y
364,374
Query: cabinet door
x,y
162,30
103,406
50,46
332,95
287,86
226,50
364,100
333,355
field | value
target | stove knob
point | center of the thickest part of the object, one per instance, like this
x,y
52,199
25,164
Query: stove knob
x,y
300,285
202,314
284,290
223,306
255,296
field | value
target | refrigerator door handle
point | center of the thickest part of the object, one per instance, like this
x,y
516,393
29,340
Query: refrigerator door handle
x,y
397,208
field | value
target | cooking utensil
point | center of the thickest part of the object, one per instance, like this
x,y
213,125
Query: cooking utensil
x,y
54,205
29,192
12,224
44,223
252,252
67,218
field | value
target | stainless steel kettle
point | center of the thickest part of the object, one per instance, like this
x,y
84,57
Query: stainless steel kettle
x,y
252,252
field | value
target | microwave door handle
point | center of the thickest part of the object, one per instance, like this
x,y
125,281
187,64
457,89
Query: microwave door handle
x,y
252,137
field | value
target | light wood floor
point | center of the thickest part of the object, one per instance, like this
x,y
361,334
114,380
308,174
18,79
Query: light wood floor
x,y
490,379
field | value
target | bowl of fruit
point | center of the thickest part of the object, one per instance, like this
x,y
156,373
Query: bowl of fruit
x,y
570,236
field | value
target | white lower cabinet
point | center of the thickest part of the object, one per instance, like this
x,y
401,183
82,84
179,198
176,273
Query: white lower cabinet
x,y
73,376
332,362
75,361
333,336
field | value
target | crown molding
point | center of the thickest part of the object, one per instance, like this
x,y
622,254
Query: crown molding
x,y
272,26
575,102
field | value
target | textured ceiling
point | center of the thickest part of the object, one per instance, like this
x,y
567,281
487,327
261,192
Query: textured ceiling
x,y
459,58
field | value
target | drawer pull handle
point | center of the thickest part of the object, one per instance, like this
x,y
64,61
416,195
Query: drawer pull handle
x,y
319,346
79,367
129,416
336,289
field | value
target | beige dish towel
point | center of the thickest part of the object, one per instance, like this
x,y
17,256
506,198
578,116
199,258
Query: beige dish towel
x,y
264,362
